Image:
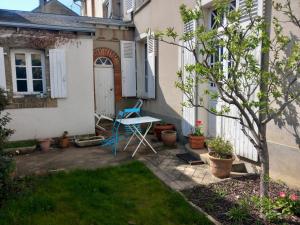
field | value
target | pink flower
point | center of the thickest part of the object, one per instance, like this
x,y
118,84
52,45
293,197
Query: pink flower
x,y
282,194
294,197
198,123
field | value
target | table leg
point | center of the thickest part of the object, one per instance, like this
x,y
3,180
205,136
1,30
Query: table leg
x,y
143,137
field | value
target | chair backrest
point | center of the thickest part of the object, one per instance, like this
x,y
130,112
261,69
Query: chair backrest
x,y
138,105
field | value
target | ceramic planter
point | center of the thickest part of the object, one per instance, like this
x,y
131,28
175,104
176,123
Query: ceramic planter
x,y
45,144
220,168
158,128
196,142
169,137
64,142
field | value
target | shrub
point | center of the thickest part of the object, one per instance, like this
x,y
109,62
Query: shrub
x,y
6,163
220,148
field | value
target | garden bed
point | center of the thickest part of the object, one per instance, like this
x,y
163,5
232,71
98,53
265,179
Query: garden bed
x,y
20,147
223,200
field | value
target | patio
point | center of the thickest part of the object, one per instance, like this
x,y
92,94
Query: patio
x,y
171,170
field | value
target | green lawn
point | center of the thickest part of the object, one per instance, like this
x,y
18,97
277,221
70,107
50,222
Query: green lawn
x,y
127,194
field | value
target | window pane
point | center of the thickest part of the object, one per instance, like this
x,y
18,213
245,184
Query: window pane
x,y
38,85
36,60
21,72
37,72
20,59
22,85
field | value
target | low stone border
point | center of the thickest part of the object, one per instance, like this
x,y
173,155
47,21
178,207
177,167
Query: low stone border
x,y
161,177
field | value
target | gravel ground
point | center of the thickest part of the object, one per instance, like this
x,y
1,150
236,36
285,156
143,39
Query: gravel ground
x,y
217,199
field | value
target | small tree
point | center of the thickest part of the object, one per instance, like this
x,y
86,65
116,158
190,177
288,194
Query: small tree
x,y
259,90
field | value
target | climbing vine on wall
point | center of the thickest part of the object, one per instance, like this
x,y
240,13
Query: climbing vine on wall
x,y
38,39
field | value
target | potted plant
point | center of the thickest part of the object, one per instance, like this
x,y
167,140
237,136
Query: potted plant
x,y
64,140
169,137
45,144
220,156
159,127
197,139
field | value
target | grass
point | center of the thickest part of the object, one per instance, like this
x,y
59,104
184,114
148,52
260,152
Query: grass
x,y
127,194
18,144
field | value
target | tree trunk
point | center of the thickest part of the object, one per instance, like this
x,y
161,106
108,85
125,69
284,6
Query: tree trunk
x,y
264,164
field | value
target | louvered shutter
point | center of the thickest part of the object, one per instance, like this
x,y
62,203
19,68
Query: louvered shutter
x,y
2,70
129,5
231,129
188,113
151,48
128,68
58,73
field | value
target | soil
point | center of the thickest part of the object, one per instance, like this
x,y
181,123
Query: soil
x,y
218,198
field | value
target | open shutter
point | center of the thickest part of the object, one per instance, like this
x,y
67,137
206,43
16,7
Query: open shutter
x,y
58,73
188,113
151,46
128,68
2,70
231,129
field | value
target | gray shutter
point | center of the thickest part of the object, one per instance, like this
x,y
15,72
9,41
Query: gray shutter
x,y
58,73
2,70
151,48
128,68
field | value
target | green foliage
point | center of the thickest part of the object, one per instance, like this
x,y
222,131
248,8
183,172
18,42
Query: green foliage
x,y
221,148
112,196
238,214
6,164
18,144
276,209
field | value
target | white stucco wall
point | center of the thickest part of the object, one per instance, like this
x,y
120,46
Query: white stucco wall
x,y
73,114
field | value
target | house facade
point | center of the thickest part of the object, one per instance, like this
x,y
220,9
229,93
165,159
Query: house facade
x,y
49,65
156,75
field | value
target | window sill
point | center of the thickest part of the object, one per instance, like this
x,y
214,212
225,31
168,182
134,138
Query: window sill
x,y
33,95
31,101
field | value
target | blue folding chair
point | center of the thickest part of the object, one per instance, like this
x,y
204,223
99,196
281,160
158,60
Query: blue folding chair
x,y
114,139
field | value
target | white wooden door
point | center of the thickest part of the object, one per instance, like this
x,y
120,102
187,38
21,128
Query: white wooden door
x,y
104,87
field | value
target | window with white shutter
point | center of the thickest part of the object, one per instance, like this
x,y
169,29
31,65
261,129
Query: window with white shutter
x,y
2,70
58,73
128,68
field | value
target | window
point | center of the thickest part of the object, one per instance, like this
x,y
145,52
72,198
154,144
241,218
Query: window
x,y
28,71
214,23
103,61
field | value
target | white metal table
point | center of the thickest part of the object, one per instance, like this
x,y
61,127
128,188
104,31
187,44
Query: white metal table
x,y
131,123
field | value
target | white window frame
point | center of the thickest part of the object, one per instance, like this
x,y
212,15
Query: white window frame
x,y
28,66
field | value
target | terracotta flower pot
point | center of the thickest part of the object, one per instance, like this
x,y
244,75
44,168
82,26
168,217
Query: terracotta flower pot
x,y
169,137
196,142
158,128
45,144
220,168
64,142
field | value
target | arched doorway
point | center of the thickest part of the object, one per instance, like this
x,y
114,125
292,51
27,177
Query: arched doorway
x,y
104,86
106,61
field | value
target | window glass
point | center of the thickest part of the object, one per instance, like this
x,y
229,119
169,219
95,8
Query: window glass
x,y
20,59
37,85
22,85
36,60
21,72
37,73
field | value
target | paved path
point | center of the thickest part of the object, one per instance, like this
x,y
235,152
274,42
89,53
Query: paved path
x,y
176,173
